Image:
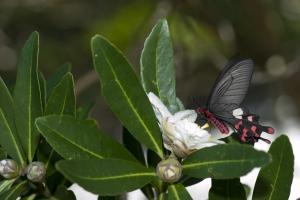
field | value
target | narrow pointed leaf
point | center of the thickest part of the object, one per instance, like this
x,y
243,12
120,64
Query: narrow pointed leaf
x,y
125,95
6,104
83,112
5,185
27,96
229,189
33,196
157,65
9,138
274,180
43,89
62,99
224,161
79,139
10,141
57,76
14,192
106,177
178,192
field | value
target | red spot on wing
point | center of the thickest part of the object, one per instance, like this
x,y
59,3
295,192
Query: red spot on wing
x,y
238,124
253,129
244,134
271,130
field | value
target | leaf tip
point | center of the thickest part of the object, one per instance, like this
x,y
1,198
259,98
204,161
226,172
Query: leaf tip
x,y
34,36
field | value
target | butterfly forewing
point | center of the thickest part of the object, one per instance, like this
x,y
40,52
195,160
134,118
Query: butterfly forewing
x,y
230,88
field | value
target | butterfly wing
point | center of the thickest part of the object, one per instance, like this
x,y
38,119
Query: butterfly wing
x,y
230,88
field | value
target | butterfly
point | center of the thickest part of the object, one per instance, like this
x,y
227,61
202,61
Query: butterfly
x,y
224,106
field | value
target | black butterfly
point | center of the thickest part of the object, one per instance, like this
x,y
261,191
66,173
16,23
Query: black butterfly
x,y
224,106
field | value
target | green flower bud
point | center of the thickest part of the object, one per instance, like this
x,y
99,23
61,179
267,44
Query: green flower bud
x,y
169,170
36,171
9,169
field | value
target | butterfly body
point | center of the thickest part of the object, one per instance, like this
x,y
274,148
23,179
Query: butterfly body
x,y
224,107
213,120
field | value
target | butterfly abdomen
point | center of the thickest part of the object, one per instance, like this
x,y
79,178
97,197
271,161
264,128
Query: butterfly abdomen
x,y
213,120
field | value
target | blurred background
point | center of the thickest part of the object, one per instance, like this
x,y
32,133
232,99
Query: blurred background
x,y
205,33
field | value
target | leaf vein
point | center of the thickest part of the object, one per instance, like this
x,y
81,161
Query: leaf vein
x,y
116,176
131,105
75,144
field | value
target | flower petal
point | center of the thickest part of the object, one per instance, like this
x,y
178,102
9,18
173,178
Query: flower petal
x,y
160,110
217,135
209,144
190,115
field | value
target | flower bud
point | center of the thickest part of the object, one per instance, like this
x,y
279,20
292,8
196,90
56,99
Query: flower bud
x,y
9,169
36,171
169,170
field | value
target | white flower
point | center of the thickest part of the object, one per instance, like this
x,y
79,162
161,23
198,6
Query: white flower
x,y
180,133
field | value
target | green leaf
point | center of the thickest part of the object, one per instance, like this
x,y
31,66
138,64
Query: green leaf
x,y
152,158
148,191
179,104
83,112
57,76
5,185
62,99
157,65
14,192
125,95
224,161
229,189
56,180
3,153
274,180
77,139
178,192
6,104
133,146
27,96
32,197
9,138
10,141
43,89
106,177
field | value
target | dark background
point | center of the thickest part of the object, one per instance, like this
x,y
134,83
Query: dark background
x,y
205,35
